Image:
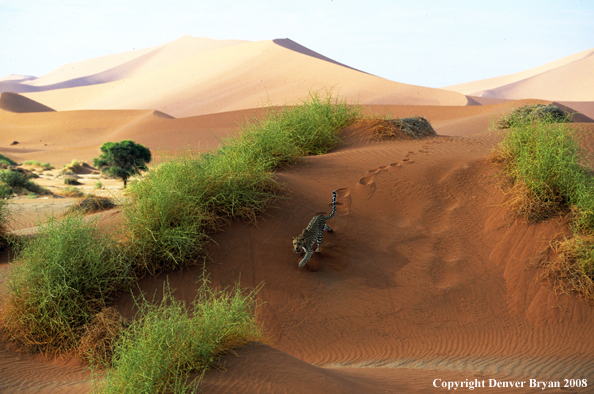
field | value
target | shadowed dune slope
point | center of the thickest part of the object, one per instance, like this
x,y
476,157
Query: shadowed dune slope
x,y
568,79
14,102
425,276
191,76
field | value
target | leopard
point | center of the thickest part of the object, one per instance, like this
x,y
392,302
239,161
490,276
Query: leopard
x,y
313,233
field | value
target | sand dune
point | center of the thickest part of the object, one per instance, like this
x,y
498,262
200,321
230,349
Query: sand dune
x,y
567,79
426,275
194,76
59,137
14,102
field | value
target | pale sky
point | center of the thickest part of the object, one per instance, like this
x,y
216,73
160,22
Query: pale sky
x,y
422,42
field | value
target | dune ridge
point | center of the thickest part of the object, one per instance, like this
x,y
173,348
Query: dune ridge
x,y
14,102
566,79
194,76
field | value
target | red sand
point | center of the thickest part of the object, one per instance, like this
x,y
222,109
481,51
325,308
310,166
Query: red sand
x,y
425,277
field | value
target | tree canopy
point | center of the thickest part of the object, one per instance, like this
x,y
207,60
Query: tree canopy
x,y
123,159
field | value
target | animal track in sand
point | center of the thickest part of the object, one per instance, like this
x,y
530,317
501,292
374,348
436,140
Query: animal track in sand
x,y
366,185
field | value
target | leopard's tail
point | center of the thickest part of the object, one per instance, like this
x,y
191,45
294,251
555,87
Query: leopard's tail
x,y
333,206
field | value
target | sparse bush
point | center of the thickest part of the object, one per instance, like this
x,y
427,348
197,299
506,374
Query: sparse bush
x,y
92,204
35,163
71,191
7,161
98,185
196,335
74,166
543,161
414,127
533,113
19,182
4,219
97,343
69,180
60,280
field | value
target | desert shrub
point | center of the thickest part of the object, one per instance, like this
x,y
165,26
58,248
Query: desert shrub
x,y
69,180
4,220
414,127
177,205
543,161
5,191
309,128
19,182
92,204
195,335
7,161
71,191
60,280
533,113
35,163
97,343
74,166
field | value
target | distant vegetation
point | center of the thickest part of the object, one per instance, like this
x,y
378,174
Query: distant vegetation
x,y
7,161
73,167
62,282
123,159
544,162
35,163
548,113
12,181
414,127
92,204
4,219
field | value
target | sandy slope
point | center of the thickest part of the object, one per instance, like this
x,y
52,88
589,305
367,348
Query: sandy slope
x,y
194,76
425,276
567,79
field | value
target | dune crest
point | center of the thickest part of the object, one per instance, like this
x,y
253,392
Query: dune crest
x,y
568,79
196,76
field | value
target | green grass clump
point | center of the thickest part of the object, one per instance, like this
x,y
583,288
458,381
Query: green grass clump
x,y
4,219
60,280
549,113
92,204
35,163
171,342
544,162
7,161
71,191
309,128
177,205
70,180
19,183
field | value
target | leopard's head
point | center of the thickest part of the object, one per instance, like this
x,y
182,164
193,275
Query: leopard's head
x,y
296,245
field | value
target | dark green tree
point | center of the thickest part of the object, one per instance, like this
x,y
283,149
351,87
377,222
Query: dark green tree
x,y
123,159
